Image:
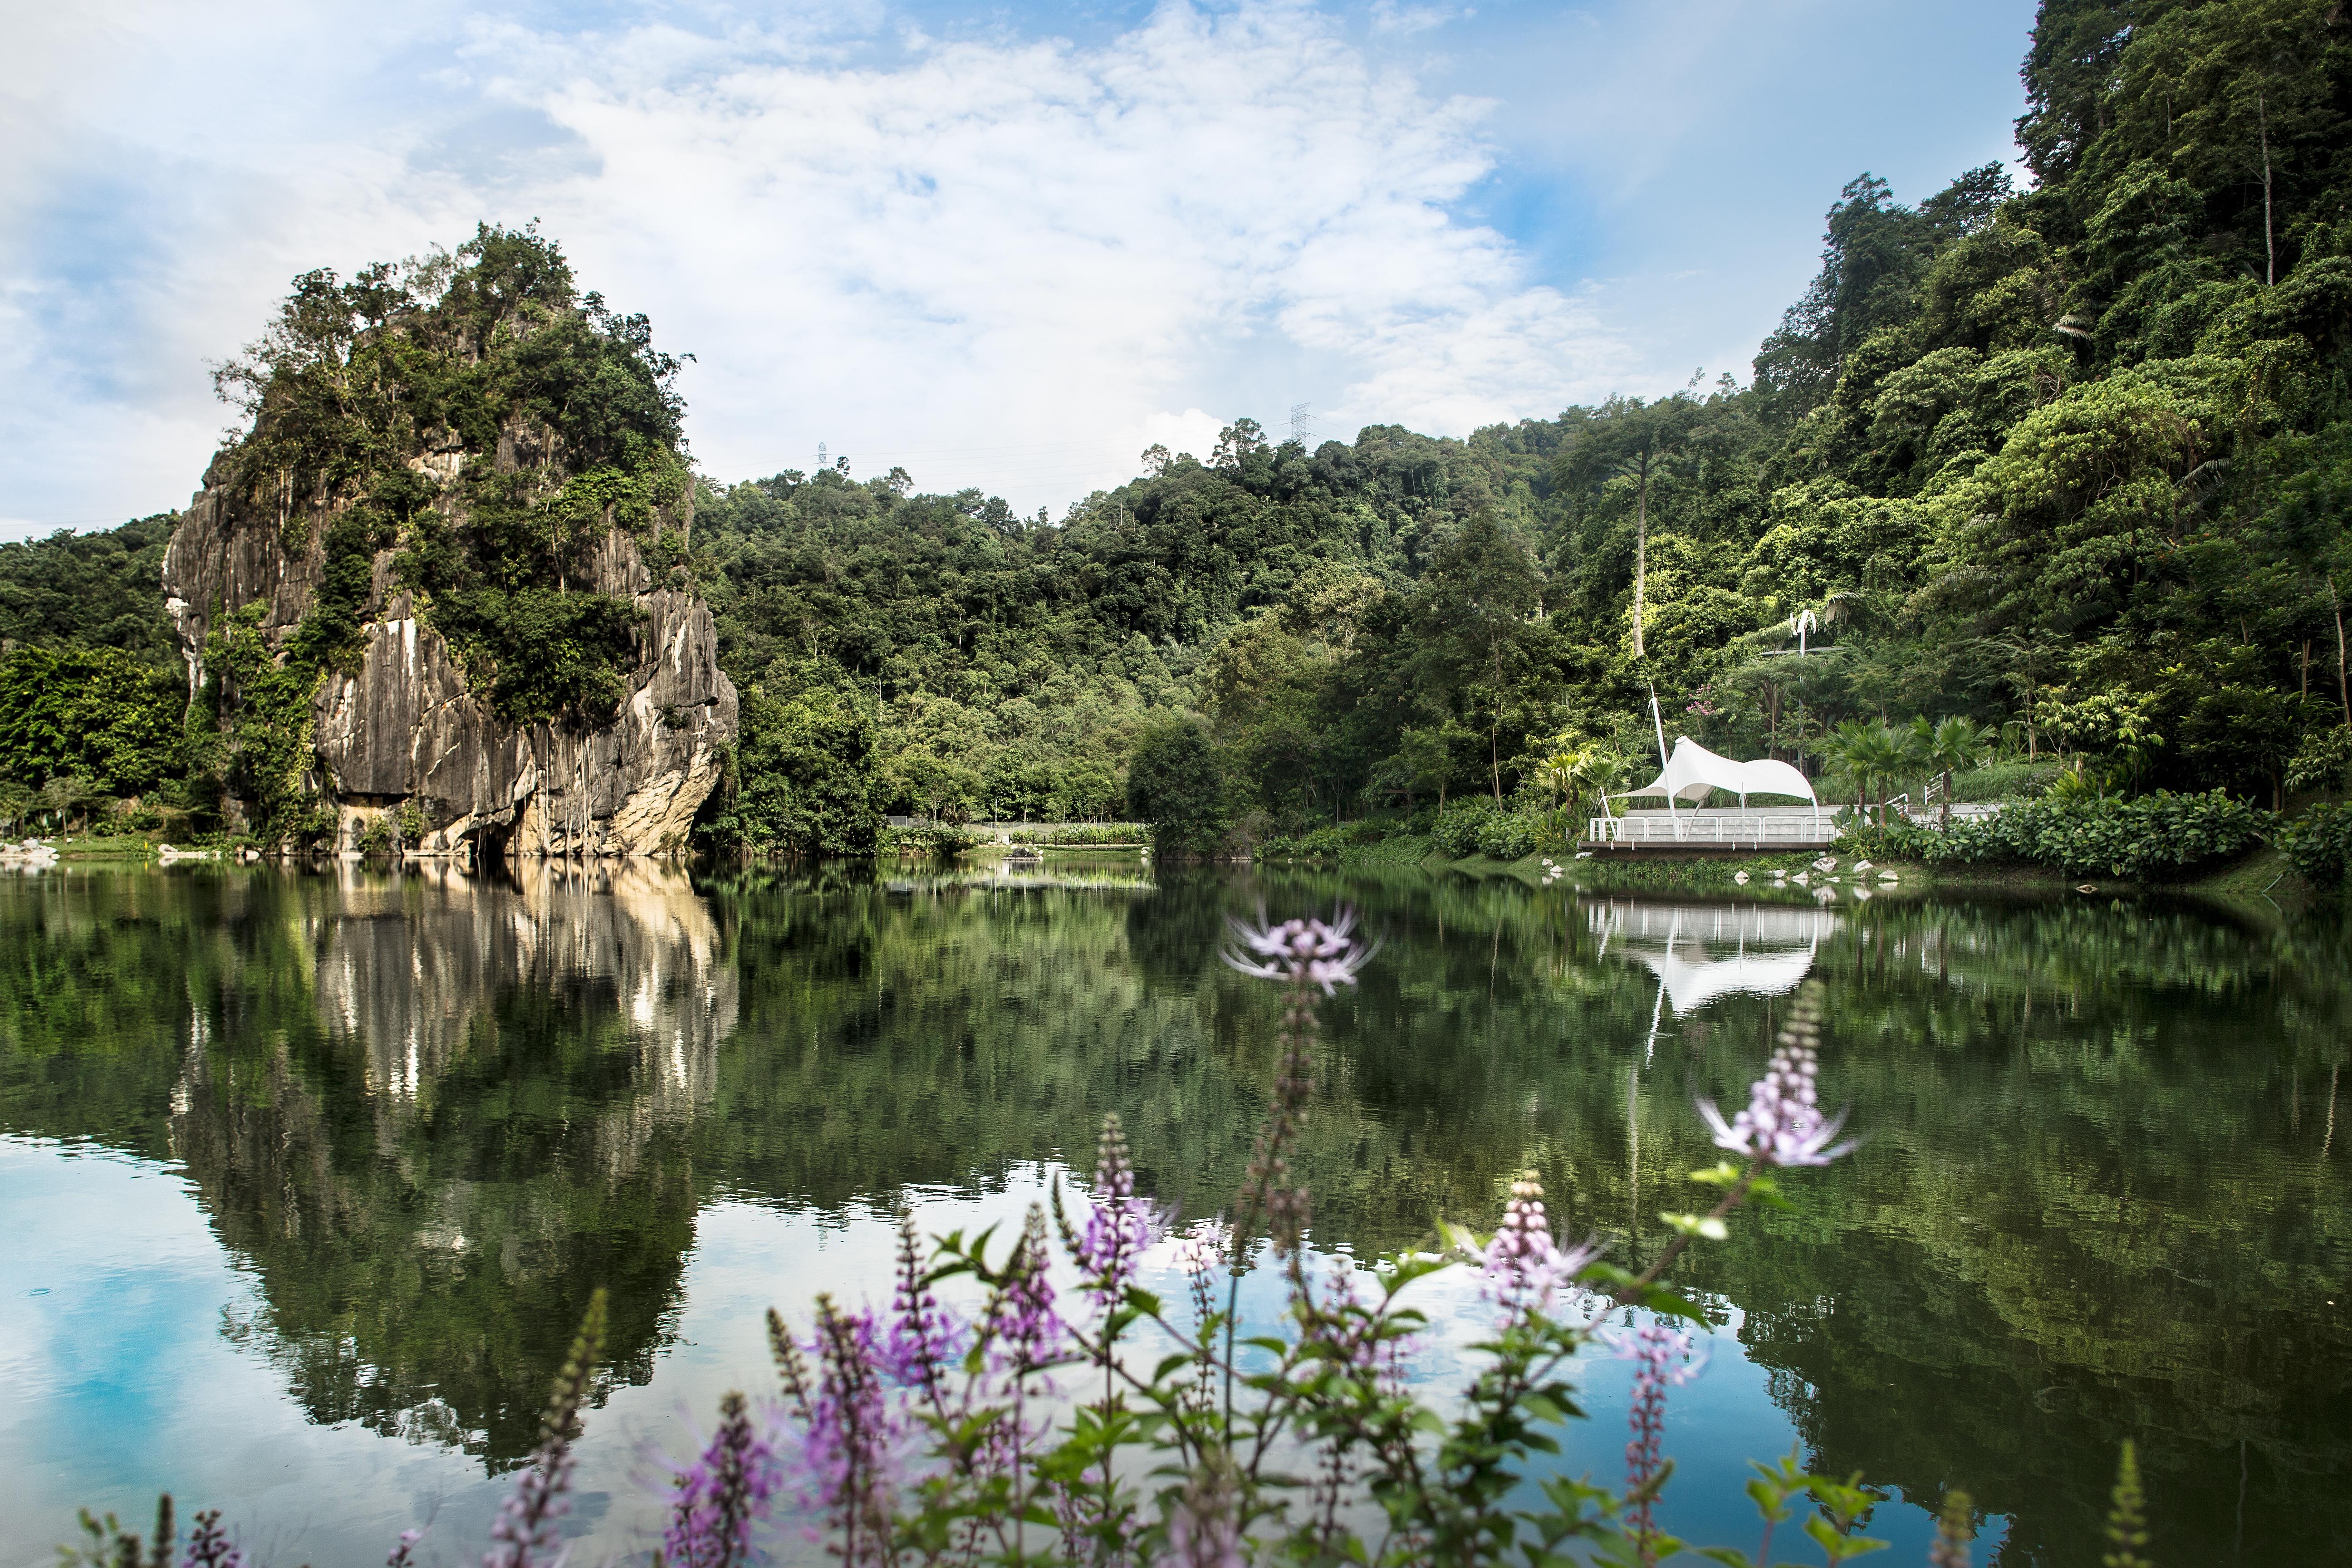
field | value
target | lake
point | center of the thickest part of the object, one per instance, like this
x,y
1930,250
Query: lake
x,y
306,1177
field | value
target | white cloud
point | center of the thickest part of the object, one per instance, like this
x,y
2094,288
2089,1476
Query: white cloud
x,y
1002,262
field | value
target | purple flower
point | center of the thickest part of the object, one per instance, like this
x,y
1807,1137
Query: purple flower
x,y
1300,951
1523,1267
1783,1125
715,1501
1122,1224
1022,1325
526,1534
1663,1358
208,1545
1203,1532
403,1554
925,1338
846,1459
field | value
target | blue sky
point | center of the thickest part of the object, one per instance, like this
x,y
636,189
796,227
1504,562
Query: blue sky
x,y
1005,246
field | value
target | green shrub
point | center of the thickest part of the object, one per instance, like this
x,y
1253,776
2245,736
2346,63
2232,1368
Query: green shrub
x,y
1081,834
941,840
2318,845
1457,826
2151,837
1507,836
2005,781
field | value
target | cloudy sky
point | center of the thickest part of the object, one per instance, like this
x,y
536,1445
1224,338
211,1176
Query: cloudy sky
x,y
998,246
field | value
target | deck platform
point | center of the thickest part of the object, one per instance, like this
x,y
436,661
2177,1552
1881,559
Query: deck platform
x,y
1757,830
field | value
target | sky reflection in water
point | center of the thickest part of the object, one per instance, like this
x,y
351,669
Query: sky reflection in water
x,y
306,1177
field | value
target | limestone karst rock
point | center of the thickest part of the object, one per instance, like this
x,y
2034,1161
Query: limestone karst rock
x,y
401,727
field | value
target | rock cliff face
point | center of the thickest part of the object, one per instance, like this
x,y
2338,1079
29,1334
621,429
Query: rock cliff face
x,y
406,728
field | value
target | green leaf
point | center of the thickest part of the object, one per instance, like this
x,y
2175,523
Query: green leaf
x,y
1706,1225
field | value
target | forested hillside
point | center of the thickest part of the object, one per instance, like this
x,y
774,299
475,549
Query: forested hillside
x,y
2072,460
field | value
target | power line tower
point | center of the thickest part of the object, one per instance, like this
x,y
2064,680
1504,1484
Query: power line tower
x,y
821,463
1298,422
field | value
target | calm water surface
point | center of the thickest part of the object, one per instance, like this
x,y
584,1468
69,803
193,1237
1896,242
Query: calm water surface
x,y
305,1178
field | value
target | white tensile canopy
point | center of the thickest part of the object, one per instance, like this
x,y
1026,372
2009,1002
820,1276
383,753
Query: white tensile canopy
x,y
1693,771
1700,953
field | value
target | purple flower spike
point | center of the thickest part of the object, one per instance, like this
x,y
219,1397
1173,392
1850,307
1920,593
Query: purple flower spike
x,y
1524,1269
925,1340
209,1547
1783,1125
1300,951
1203,1533
849,1455
1663,1360
716,1499
527,1532
1025,1331
1122,1224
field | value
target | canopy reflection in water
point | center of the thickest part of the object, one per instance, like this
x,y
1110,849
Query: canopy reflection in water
x,y
1701,952
417,1118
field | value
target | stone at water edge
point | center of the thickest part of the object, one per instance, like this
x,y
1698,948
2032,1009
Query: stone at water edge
x,y
1802,880
1740,878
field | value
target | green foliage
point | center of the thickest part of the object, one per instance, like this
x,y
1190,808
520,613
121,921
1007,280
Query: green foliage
x,y
941,841
1507,836
1075,834
1460,827
103,716
2152,839
2318,845
563,421
803,780
266,721
2074,464
1175,784
89,590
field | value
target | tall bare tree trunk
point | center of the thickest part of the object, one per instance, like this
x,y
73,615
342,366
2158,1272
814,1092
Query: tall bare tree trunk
x,y
1494,731
1641,553
2343,686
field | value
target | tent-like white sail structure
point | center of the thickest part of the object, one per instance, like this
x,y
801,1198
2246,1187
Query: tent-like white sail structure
x,y
1700,953
1693,771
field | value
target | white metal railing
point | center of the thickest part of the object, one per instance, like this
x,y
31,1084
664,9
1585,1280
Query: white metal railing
x,y
1797,828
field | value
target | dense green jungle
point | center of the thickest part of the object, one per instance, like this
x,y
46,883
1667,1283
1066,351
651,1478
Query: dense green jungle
x,y
430,1114
2072,461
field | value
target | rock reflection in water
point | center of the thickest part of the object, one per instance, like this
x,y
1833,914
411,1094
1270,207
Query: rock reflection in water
x,y
491,1118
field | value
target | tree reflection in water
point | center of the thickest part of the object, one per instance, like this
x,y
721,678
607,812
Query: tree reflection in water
x,y
2103,1193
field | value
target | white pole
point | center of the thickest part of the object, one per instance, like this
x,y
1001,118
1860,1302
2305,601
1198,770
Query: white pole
x,y
1658,723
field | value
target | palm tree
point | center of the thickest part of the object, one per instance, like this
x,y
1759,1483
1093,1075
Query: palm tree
x,y
1849,749
1884,755
1953,744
